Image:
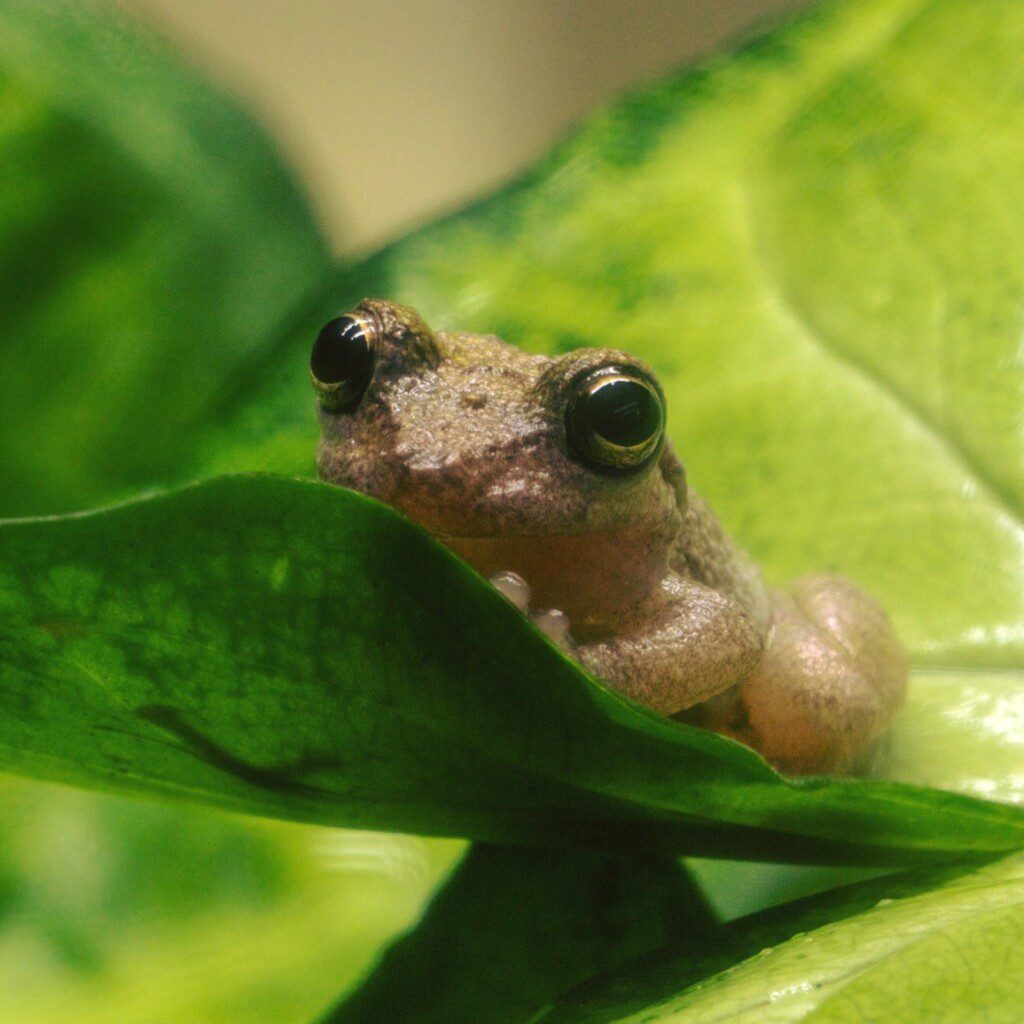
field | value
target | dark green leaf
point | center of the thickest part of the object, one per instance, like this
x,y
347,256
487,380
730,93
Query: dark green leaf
x,y
516,927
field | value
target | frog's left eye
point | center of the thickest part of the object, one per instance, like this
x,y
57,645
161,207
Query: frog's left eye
x,y
341,363
615,420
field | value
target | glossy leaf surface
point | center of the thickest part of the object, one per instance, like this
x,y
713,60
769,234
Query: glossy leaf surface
x,y
919,949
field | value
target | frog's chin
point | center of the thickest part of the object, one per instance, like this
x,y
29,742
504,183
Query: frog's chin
x,y
593,576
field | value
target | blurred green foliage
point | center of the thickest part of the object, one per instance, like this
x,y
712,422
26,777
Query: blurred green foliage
x,y
151,241
119,911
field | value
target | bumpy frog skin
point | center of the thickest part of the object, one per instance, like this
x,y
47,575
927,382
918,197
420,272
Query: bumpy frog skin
x,y
625,565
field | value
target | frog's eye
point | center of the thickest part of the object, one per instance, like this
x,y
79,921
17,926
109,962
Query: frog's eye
x,y
341,363
615,420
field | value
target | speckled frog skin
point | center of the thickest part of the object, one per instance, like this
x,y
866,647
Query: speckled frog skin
x,y
555,471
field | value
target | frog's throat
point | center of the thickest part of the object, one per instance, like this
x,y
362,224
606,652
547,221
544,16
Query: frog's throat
x,y
591,576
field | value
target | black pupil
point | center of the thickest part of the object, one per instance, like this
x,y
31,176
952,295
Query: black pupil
x,y
342,353
623,412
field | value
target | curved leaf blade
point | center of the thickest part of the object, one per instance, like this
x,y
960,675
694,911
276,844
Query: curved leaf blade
x,y
288,648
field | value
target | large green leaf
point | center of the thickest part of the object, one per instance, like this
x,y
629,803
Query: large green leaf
x,y
151,242
845,402
816,243
516,927
918,950
289,648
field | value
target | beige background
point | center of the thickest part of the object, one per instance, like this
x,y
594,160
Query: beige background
x,y
395,111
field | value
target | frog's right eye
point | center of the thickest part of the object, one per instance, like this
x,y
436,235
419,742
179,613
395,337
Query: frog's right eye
x,y
341,363
615,420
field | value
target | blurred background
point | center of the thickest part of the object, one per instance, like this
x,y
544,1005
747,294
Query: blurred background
x,y
120,911
393,111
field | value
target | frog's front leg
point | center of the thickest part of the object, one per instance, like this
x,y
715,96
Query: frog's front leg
x,y
831,679
685,645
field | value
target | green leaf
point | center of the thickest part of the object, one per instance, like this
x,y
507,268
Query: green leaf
x,y
151,241
921,949
817,243
962,731
516,927
288,648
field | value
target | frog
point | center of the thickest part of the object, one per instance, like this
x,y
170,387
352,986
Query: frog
x,y
553,477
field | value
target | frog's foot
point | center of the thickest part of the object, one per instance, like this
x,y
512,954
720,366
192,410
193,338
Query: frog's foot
x,y
514,588
550,621
832,677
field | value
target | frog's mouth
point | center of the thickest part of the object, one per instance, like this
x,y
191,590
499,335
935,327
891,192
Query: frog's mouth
x,y
591,576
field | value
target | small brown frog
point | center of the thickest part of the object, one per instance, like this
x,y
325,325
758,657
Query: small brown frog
x,y
553,477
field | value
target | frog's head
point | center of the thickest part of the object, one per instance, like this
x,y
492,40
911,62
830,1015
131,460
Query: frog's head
x,y
555,468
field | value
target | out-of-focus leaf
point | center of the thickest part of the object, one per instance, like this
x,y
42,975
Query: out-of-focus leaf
x,y
516,927
151,242
237,963
918,950
289,648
